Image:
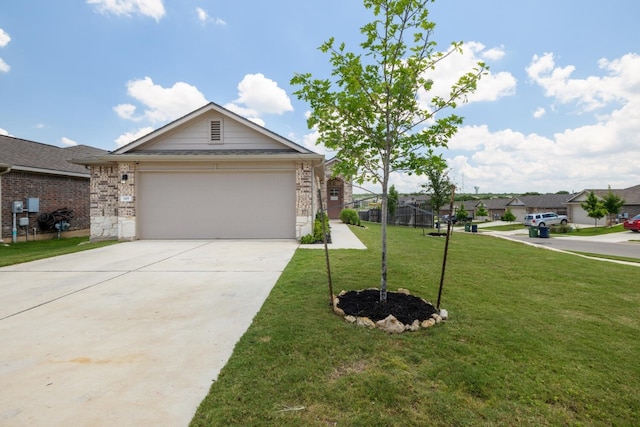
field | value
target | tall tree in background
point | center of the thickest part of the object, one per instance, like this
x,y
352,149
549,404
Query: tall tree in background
x,y
379,112
594,207
438,186
392,202
612,203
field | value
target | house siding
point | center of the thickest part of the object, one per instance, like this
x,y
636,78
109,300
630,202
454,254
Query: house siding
x,y
195,136
53,191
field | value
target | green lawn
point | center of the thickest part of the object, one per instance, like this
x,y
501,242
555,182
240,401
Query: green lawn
x,y
535,338
19,252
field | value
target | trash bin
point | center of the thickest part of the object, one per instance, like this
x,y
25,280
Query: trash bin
x,y
533,231
467,227
474,228
544,232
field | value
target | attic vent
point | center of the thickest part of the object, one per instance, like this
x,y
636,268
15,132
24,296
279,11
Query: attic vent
x,y
216,131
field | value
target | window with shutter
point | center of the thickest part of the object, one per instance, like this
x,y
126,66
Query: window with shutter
x,y
216,132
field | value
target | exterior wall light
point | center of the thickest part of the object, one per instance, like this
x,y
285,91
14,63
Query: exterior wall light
x,y
124,178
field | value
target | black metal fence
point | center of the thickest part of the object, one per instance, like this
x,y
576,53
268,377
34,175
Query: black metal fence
x,y
407,215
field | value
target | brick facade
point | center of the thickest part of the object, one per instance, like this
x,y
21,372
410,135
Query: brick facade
x,y
53,191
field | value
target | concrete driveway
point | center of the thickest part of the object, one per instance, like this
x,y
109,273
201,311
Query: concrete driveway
x,y
131,334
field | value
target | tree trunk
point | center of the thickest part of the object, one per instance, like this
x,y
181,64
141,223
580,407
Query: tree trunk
x,y
383,219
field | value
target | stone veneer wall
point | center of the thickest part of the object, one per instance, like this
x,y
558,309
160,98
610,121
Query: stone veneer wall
x,y
305,206
113,208
104,202
127,202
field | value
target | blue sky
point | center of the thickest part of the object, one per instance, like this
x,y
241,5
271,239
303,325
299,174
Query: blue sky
x,y
559,111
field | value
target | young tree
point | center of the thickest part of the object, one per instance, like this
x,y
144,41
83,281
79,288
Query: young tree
x,y
508,215
612,203
462,214
392,203
438,186
594,207
379,113
482,210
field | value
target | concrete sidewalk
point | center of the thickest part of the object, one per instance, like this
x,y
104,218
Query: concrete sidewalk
x,y
131,334
341,238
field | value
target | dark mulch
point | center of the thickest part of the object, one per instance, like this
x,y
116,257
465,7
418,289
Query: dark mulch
x,y
366,303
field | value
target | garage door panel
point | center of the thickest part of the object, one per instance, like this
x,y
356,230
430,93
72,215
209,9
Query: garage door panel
x,y
177,205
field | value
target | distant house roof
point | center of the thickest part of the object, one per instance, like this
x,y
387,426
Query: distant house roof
x,y
29,156
541,201
491,204
631,195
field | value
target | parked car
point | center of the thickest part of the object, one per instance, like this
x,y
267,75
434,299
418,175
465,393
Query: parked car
x,y
544,219
447,218
632,224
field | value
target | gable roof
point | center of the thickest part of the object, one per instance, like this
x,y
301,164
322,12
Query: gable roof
x,y
29,156
631,195
541,201
131,152
211,106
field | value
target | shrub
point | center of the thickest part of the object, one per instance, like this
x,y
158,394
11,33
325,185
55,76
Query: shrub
x,y
316,237
561,228
350,216
308,239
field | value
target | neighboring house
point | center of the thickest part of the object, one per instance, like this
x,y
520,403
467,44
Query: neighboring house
x,y
42,178
631,207
522,205
338,191
210,174
496,208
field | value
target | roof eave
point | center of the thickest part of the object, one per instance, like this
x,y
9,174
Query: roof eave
x,y
49,171
111,159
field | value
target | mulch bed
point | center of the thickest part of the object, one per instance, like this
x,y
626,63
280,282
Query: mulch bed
x,y
366,303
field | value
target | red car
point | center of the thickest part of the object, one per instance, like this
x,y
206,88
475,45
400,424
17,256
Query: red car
x,y
632,224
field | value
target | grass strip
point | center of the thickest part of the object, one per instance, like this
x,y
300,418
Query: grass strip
x,y
535,338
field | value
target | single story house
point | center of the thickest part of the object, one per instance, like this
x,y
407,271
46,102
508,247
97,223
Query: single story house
x,y
209,174
522,205
41,178
631,207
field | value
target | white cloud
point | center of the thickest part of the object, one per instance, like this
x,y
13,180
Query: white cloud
x,y
262,95
67,142
491,86
127,137
151,8
4,38
126,111
202,15
621,82
4,132
160,104
494,54
220,21
39,126
247,113
540,111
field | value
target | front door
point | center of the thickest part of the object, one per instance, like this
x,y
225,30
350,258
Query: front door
x,y
335,196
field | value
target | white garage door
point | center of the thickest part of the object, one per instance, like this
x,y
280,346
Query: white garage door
x,y
216,205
